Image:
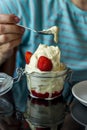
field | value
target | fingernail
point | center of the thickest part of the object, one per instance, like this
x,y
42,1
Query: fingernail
x,y
22,29
16,19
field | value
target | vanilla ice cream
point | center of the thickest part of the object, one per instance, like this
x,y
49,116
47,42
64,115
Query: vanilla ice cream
x,y
54,31
46,84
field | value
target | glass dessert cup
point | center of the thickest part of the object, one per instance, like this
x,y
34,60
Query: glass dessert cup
x,y
47,85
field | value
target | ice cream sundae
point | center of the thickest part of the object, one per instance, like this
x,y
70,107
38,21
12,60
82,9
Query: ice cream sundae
x,y
45,73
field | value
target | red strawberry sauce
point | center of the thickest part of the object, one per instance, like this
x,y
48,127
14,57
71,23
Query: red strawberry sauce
x,y
46,95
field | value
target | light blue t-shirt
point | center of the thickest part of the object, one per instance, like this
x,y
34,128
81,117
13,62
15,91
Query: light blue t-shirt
x,y
42,14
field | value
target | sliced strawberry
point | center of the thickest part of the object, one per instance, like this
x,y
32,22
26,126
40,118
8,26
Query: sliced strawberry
x,y
27,57
44,64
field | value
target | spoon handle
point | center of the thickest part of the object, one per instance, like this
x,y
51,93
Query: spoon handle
x,y
26,28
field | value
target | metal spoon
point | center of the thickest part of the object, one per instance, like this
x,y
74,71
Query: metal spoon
x,y
44,32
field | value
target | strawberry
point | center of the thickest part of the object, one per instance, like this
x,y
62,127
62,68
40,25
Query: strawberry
x,y
27,57
44,64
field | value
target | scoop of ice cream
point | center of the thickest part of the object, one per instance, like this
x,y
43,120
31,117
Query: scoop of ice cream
x,y
50,52
53,30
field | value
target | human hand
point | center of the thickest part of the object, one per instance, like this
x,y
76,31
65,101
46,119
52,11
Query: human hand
x,y
10,35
